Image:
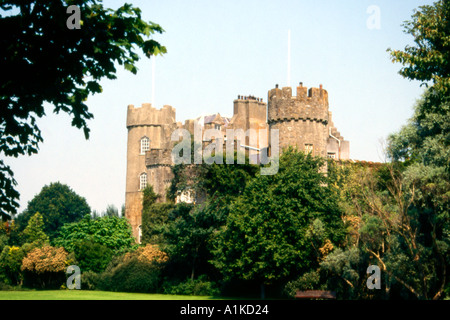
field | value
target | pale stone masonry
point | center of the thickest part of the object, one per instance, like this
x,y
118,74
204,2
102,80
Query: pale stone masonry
x,y
303,120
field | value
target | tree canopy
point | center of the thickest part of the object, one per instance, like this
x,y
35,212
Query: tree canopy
x,y
429,59
58,204
43,61
112,232
273,226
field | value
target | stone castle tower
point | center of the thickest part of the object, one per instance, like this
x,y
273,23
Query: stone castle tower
x,y
148,156
303,120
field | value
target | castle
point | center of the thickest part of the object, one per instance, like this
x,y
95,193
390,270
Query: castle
x,y
303,121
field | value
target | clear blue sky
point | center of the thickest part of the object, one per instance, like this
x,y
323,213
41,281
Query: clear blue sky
x,y
220,49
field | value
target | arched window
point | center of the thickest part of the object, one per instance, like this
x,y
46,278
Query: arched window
x,y
142,181
145,145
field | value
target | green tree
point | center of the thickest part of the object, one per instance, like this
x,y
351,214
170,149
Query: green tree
x,y
34,232
45,267
154,217
423,144
187,237
154,221
111,211
137,271
429,59
426,137
112,232
58,204
67,66
188,230
400,223
10,265
91,256
265,238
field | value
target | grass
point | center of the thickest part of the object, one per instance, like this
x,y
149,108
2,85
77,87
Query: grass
x,y
90,295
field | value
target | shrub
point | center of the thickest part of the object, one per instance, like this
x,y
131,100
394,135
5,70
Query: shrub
x,y
89,280
308,281
196,287
45,267
130,275
138,271
92,256
10,264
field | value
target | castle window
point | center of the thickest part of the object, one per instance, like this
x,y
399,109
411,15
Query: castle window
x,y
309,148
145,145
217,126
139,234
142,181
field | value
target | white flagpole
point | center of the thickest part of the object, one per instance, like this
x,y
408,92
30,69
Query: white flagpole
x,y
289,60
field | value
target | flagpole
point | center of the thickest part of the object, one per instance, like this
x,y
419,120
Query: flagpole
x,y
289,60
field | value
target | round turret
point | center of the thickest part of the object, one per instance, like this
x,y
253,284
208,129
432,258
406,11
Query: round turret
x,y
301,120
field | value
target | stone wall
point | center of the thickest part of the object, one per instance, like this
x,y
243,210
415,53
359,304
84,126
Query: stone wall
x,y
301,120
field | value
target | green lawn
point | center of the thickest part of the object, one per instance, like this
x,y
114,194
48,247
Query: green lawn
x,y
90,295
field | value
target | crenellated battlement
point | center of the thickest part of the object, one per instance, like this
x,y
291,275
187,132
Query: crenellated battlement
x,y
146,115
313,95
309,104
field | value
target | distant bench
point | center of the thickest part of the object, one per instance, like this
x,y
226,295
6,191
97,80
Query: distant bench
x,y
315,294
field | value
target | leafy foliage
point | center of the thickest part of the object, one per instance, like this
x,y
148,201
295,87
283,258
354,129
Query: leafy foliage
x,y
154,221
423,143
429,59
138,271
91,256
67,66
10,265
265,235
187,238
58,204
34,232
193,287
45,267
45,259
112,232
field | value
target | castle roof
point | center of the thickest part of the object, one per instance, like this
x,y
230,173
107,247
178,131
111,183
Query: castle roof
x,y
216,117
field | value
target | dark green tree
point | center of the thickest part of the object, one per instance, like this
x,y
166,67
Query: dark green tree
x,y
154,221
188,235
424,144
92,256
429,59
43,61
189,230
112,232
58,205
266,235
